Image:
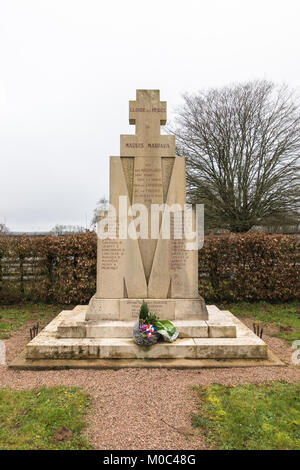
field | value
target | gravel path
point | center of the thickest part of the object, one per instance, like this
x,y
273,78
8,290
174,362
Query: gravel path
x,y
122,412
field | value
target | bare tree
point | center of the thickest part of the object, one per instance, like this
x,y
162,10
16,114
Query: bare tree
x,y
66,229
102,205
242,144
3,229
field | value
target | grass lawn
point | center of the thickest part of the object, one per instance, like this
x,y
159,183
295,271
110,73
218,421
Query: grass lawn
x,y
285,316
12,317
47,418
263,417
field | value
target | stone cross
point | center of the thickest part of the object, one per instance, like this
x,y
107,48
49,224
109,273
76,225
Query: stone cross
x,y
159,269
148,113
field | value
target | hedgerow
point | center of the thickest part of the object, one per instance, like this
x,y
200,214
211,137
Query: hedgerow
x,y
233,267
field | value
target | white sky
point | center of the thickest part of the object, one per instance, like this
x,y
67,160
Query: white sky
x,y
69,67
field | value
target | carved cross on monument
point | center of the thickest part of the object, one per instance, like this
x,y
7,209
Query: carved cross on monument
x,y
148,113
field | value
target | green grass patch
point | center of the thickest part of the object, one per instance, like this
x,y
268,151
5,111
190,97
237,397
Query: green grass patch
x,y
13,317
45,418
285,316
250,417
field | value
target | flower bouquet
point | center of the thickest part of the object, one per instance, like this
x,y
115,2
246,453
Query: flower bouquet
x,y
149,329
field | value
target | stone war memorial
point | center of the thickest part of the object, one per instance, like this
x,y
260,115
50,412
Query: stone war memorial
x,y
133,266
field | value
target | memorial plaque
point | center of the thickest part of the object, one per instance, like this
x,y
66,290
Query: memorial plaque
x,y
129,309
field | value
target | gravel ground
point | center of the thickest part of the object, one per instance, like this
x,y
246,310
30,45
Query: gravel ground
x,y
122,412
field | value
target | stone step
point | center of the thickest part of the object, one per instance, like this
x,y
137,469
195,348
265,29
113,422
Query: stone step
x,y
123,329
47,347
231,348
186,329
191,328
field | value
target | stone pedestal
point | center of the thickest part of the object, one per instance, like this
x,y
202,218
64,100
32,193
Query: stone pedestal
x,y
70,337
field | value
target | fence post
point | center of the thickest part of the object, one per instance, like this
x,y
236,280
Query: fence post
x,y
21,259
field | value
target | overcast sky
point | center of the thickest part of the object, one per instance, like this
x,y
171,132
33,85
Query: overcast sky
x,y
69,67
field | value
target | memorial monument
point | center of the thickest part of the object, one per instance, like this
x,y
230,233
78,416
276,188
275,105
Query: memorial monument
x,y
137,262
159,270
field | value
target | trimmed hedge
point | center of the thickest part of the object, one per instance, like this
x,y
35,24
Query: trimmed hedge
x,y
59,269
250,266
62,269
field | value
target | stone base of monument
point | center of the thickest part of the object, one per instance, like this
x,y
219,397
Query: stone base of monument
x,y
128,309
70,337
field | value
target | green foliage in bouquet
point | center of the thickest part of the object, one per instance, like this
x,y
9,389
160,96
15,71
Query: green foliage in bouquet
x,y
163,327
146,316
144,311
